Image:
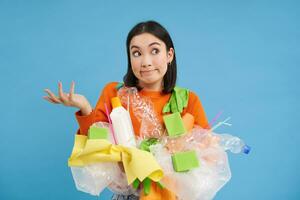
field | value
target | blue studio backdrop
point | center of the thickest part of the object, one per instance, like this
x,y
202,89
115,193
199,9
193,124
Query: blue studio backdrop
x,y
241,57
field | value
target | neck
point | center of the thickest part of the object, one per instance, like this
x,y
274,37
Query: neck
x,y
152,87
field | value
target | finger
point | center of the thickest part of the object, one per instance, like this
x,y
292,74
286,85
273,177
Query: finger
x,y
52,96
72,90
61,93
50,100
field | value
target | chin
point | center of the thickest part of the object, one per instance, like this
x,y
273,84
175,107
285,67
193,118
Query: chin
x,y
149,82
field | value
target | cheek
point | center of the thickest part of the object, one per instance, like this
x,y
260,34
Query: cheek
x,y
135,65
161,63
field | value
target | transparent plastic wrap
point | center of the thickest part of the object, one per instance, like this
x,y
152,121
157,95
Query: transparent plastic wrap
x,y
196,138
199,183
203,182
94,178
142,109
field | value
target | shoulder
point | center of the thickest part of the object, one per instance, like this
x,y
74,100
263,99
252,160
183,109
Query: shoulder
x,y
111,87
196,109
193,96
194,100
108,91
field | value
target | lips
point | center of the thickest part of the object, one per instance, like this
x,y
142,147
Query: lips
x,y
148,72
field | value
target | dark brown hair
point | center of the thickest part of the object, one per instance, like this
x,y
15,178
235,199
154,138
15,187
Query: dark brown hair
x,y
160,32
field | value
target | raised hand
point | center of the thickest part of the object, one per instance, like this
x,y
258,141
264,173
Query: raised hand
x,y
69,99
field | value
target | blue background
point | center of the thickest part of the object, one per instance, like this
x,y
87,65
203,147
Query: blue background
x,y
241,57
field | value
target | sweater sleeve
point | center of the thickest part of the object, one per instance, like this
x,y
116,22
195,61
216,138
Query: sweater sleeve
x,y
195,108
99,112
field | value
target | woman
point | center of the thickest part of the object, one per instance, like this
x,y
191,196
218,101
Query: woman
x,y
152,70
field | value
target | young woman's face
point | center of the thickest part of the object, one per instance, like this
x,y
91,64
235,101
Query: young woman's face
x,y
149,59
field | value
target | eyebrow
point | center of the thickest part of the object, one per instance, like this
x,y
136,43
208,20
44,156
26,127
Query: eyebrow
x,y
153,43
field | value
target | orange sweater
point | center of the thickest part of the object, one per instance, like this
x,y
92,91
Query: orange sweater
x,y
159,100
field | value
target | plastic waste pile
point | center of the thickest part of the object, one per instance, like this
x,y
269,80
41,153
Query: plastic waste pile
x,y
186,159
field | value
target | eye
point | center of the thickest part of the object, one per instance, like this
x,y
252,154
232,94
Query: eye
x,y
155,51
136,53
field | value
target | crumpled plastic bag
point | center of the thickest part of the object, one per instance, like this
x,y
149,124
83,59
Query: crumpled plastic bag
x,y
143,110
94,178
203,182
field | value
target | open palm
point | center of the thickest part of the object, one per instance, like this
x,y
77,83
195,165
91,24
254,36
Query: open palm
x,y
67,99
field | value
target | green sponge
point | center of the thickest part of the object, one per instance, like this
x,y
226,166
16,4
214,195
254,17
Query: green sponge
x,y
98,133
174,124
184,161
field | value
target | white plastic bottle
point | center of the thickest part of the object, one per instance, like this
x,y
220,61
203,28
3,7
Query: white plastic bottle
x,y
122,124
234,144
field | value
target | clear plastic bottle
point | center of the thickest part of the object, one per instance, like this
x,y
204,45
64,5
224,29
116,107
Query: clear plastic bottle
x,y
122,124
234,144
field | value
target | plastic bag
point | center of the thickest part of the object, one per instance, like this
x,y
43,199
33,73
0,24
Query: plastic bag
x,y
201,183
143,110
94,178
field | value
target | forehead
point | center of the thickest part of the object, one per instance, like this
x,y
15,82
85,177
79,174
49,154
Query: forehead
x,y
144,40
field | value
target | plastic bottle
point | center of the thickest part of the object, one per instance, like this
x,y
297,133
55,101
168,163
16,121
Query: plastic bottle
x,y
122,124
234,144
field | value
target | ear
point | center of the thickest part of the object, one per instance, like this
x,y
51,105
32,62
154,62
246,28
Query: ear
x,y
170,55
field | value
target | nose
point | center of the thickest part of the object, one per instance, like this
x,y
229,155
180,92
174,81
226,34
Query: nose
x,y
146,61
146,65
